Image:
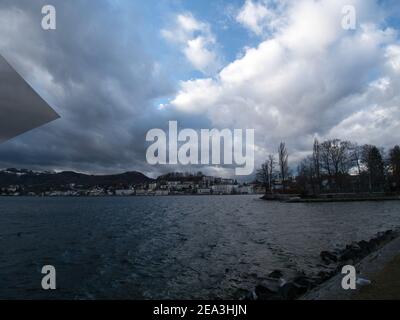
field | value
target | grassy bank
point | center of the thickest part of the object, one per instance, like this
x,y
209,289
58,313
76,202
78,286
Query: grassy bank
x,y
385,284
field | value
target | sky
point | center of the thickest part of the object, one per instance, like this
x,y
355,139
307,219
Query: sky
x,y
118,68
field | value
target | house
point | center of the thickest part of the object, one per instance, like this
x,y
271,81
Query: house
x,y
125,192
162,193
96,192
227,181
245,190
223,189
204,191
152,186
141,192
173,184
208,181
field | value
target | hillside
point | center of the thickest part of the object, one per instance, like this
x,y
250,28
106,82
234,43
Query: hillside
x,y
28,178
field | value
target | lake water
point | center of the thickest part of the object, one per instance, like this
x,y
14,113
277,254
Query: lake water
x,y
200,247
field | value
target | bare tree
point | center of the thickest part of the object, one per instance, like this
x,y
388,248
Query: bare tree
x,y
394,166
335,160
263,175
306,174
283,163
316,163
271,166
355,158
266,173
339,156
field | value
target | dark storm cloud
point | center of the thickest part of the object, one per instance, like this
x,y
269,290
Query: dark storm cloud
x,y
96,74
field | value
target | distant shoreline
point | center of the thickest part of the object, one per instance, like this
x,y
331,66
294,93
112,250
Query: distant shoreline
x,y
344,200
329,198
131,196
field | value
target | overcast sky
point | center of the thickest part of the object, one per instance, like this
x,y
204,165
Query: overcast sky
x,y
115,69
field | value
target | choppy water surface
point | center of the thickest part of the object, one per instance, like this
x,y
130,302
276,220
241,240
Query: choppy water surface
x,y
170,247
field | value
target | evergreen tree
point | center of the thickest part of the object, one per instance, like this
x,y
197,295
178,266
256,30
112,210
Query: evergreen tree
x,y
375,167
394,165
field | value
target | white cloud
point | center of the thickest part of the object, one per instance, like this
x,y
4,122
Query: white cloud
x,y
393,55
196,41
258,17
310,78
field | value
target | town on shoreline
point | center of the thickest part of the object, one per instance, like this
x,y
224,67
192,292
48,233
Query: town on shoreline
x,y
71,184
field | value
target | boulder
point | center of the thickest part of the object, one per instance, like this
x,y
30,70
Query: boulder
x,y
349,254
373,244
264,293
325,275
272,285
328,257
276,274
365,247
304,281
291,291
250,296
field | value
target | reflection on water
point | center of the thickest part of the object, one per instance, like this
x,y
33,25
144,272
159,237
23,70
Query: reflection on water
x,y
170,247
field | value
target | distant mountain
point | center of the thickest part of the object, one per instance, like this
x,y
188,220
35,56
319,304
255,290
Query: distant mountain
x,y
44,180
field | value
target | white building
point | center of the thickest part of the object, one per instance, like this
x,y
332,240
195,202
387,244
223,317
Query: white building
x,y
227,181
96,192
222,189
141,192
125,192
208,180
245,190
152,186
204,191
162,193
173,184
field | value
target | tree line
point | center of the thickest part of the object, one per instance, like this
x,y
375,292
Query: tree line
x,y
335,166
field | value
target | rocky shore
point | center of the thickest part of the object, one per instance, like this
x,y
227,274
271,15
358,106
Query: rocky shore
x,y
276,287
